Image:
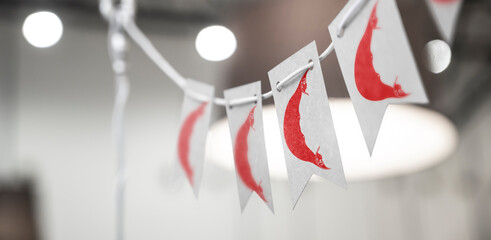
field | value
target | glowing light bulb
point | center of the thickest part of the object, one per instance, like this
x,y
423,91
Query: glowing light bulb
x,y
215,43
42,29
437,56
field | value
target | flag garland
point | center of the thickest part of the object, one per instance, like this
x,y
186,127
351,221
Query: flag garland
x,y
365,66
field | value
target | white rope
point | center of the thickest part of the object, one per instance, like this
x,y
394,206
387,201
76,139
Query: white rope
x,y
107,10
197,96
137,35
326,52
281,83
117,47
240,101
349,16
149,49
122,92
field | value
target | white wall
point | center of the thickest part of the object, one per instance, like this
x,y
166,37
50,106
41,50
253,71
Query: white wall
x,y
8,60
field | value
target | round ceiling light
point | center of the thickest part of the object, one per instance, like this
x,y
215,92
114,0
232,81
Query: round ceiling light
x,y
411,138
42,29
437,56
215,43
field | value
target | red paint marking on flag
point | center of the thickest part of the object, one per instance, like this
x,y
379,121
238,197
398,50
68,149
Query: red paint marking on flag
x,y
241,157
367,79
185,138
295,140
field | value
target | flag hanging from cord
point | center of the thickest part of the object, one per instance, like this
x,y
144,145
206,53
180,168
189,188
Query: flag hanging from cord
x,y
377,63
246,129
309,140
191,143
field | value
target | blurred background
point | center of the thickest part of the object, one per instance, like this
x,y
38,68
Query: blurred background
x,y
57,154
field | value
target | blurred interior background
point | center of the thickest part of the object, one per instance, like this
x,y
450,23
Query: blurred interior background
x,y
57,158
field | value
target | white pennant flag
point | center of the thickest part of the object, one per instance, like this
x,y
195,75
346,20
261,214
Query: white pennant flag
x,y
377,63
309,140
191,143
445,13
246,129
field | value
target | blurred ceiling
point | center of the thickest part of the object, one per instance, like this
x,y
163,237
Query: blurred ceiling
x,y
269,31
194,10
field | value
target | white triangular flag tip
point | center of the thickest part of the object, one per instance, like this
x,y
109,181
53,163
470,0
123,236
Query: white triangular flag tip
x,y
445,13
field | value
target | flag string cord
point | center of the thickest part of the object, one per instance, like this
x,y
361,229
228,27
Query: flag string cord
x,y
149,49
126,17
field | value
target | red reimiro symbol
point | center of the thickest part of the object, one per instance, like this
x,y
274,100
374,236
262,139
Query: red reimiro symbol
x,y
240,155
294,138
185,138
367,79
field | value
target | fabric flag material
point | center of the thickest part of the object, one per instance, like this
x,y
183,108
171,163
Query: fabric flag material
x,y
191,143
246,129
309,139
377,63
